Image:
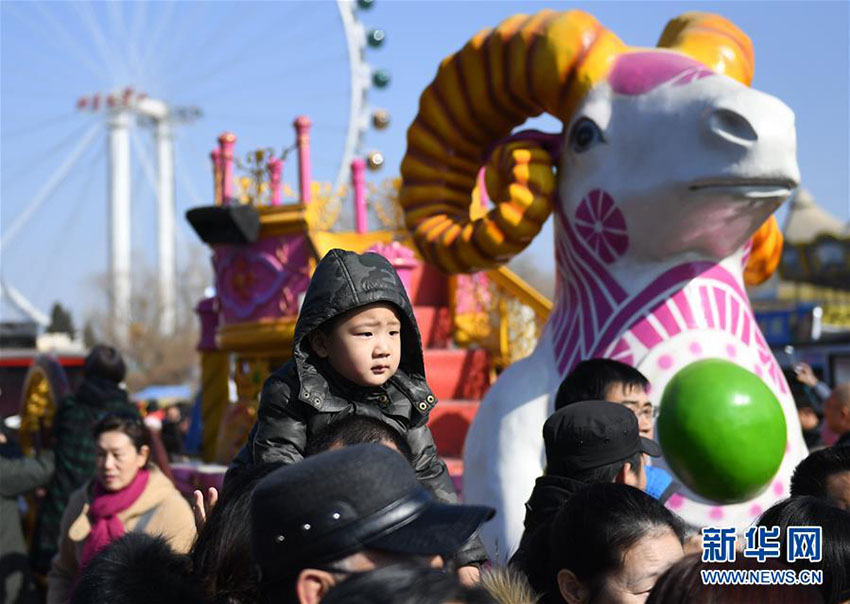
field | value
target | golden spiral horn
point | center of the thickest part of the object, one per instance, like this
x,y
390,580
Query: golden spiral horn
x,y
500,78
713,41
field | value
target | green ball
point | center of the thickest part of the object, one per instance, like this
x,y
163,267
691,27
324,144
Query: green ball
x,y
722,430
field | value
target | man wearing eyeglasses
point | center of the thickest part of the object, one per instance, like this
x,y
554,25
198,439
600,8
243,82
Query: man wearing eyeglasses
x,y
615,382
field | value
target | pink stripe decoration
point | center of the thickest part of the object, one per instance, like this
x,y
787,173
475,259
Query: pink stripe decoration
x,y
646,333
736,315
720,300
706,307
681,302
665,316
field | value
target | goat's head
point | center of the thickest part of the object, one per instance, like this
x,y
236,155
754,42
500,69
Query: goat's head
x,y
695,160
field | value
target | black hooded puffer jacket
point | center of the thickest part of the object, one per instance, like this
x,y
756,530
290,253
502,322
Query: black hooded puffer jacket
x,y
306,394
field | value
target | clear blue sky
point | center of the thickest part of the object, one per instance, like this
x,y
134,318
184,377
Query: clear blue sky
x,y
252,67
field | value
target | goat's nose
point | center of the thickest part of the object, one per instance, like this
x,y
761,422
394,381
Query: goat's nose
x,y
731,126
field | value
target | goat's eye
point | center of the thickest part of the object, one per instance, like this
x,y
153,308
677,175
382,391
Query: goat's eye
x,y
584,135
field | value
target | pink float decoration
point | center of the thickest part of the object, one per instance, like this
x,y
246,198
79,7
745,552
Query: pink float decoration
x,y
261,280
302,135
640,72
207,311
358,184
275,170
226,143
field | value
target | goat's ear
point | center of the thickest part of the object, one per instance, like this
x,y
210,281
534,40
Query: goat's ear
x,y
765,253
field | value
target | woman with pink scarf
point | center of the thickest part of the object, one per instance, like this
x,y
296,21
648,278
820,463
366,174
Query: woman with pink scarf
x,y
127,494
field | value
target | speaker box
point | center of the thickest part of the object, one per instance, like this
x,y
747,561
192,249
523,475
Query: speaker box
x,y
225,224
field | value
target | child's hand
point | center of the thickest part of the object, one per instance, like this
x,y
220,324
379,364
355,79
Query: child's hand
x,y
469,575
202,507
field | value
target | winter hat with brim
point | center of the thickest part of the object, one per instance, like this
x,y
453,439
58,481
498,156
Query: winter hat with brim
x,y
591,434
334,504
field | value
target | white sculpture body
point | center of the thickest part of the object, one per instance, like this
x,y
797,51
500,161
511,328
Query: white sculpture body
x,y
667,171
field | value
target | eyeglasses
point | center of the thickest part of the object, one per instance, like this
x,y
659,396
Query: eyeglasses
x,y
648,411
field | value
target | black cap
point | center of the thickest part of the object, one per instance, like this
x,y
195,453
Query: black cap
x,y
333,504
591,434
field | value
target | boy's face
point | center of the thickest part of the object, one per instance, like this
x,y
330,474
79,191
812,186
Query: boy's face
x,y
364,346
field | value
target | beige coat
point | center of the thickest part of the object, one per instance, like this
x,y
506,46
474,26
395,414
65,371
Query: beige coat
x,y
159,510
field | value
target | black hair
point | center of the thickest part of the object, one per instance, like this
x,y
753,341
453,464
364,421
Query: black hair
x,y
106,363
835,539
129,424
682,584
590,380
137,569
811,475
591,532
222,558
405,585
355,430
608,472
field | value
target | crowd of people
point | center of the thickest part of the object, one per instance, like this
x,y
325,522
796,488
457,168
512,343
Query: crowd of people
x,y
339,494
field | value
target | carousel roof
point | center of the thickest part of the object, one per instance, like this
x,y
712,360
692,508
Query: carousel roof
x,y
807,220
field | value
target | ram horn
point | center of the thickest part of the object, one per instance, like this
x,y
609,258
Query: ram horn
x,y
527,65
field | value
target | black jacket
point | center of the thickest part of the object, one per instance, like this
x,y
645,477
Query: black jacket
x,y
549,494
306,394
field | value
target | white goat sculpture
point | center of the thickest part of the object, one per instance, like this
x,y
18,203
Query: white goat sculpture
x,y
669,165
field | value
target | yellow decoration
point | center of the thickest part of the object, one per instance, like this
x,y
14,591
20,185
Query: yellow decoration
x,y
215,373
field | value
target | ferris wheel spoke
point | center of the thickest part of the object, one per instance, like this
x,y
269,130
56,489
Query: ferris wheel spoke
x,y
89,19
49,187
59,32
77,209
41,124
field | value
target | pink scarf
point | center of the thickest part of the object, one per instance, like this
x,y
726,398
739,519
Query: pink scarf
x,y
105,525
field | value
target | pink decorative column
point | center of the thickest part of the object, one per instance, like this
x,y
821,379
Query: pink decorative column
x,y
358,184
207,310
275,169
215,156
302,133
226,143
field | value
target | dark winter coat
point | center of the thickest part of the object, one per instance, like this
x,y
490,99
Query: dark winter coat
x,y
74,455
549,494
306,394
18,477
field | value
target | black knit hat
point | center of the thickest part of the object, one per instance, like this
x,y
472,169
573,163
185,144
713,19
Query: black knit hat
x,y
591,434
333,504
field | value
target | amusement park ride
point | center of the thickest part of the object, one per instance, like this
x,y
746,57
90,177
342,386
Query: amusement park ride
x,y
657,232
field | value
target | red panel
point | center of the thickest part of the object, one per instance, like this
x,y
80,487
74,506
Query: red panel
x,y
449,423
435,325
458,374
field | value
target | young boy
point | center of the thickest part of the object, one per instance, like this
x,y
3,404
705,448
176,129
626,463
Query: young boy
x,y
356,351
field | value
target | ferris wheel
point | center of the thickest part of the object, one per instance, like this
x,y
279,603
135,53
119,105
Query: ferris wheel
x,y
247,67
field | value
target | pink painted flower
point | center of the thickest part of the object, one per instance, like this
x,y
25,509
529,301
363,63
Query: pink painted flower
x,y
601,224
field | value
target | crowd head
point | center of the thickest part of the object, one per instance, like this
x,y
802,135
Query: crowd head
x,y
357,509
608,543
612,381
825,474
106,363
123,448
596,441
406,585
683,584
836,410
355,430
801,511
